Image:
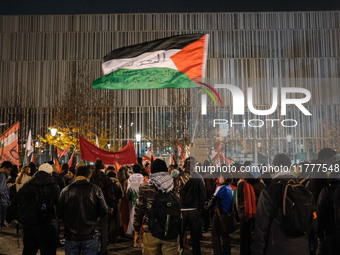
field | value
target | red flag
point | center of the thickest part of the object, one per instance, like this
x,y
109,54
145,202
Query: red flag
x,y
172,160
59,152
32,158
90,152
71,159
9,148
149,168
117,166
180,152
64,152
217,155
148,156
228,161
56,162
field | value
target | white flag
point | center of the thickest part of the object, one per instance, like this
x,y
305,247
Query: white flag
x,y
29,144
97,142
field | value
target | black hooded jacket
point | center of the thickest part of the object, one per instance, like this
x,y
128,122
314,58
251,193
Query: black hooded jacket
x,y
42,187
269,237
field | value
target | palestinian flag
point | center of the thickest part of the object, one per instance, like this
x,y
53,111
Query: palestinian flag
x,y
164,63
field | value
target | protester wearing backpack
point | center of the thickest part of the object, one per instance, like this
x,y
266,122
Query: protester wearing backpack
x,y
329,217
193,196
222,226
284,215
158,210
36,202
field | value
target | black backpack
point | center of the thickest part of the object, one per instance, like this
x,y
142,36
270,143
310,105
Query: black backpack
x,y
165,218
33,208
189,192
297,212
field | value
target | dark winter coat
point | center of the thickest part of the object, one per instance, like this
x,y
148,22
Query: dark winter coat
x,y
60,180
107,188
80,205
50,189
269,237
146,197
257,185
329,211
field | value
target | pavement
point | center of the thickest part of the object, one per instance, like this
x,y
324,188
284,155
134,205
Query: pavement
x,y
11,244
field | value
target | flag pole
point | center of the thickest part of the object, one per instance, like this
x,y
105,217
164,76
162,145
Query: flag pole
x,y
25,157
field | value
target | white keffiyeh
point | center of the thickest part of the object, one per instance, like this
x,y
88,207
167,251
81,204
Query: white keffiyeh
x,y
162,181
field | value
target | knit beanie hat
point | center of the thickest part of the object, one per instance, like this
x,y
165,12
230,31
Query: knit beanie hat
x,y
158,166
46,168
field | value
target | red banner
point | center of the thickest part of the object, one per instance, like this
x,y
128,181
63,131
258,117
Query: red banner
x,y
90,152
9,149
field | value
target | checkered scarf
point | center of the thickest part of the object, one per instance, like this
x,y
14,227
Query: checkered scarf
x,y
162,181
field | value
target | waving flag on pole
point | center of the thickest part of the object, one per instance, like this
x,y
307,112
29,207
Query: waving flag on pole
x,y
228,161
64,152
56,162
180,152
172,159
147,157
97,142
9,148
117,166
216,155
29,144
186,153
71,159
59,152
164,63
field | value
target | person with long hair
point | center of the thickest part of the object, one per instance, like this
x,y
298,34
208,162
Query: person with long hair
x,y
23,177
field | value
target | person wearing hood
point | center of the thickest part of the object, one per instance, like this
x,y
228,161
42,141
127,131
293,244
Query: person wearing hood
x,y
36,206
270,237
159,181
134,181
248,192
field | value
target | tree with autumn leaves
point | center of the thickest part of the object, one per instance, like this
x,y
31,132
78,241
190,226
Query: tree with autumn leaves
x,y
82,112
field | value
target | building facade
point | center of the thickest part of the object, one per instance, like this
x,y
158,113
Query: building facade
x,y
46,61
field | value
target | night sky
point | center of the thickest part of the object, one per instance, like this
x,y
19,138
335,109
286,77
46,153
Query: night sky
x,y
29,7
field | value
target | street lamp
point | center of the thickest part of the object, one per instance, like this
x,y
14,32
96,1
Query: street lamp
x,y
256,152
289,139
138,138
53,133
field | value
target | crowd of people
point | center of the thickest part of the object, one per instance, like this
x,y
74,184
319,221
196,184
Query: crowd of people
x,y
164,209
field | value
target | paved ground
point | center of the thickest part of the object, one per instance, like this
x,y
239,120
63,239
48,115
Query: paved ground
x,y
11,244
